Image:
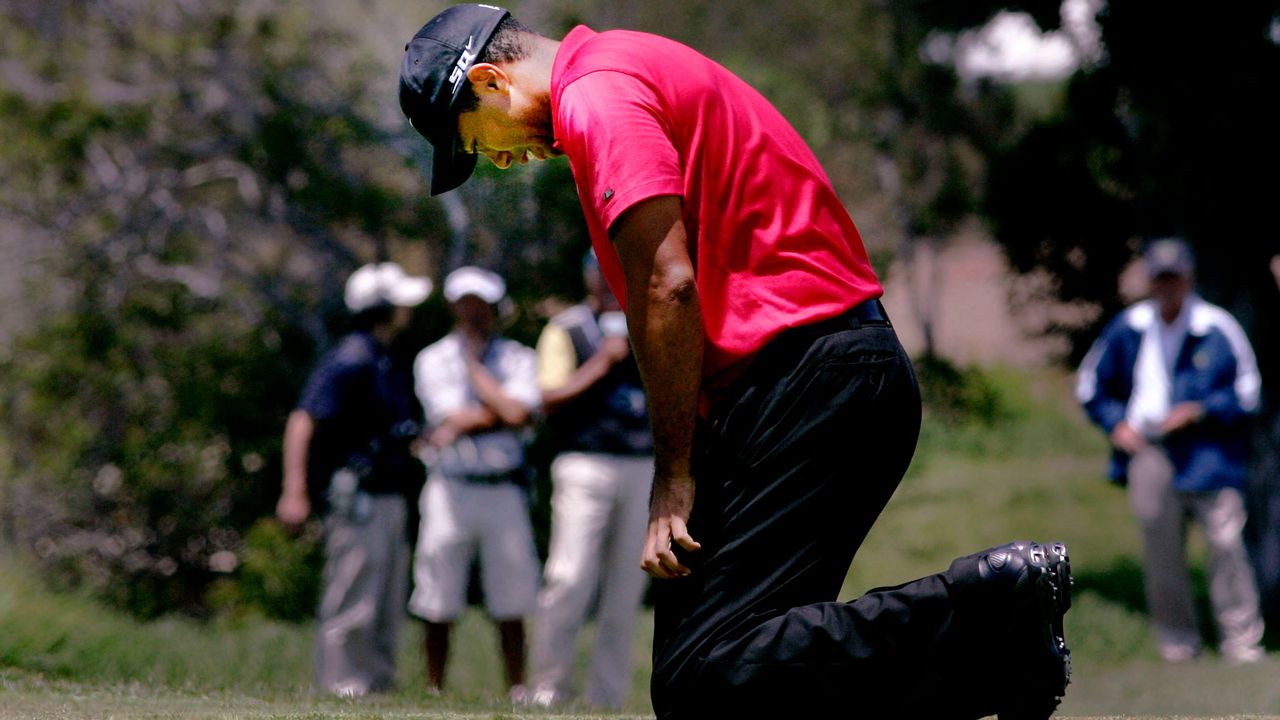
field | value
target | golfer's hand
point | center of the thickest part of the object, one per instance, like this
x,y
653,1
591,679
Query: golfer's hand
x,y
668,524
1123,436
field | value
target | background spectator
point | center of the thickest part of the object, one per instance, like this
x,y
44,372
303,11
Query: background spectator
x,y
346,454
477,391
1172,380
595,406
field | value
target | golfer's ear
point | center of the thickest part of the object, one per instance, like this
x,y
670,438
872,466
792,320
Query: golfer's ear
x,y
487,77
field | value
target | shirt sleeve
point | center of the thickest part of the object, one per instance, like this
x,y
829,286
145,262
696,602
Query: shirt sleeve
x,y
520,375
614,128
436,382
322,397
1248,384
557,359
1098,379
1241,397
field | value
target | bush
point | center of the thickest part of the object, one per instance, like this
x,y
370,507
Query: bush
x,y
279,573
141,452
999,412
959,396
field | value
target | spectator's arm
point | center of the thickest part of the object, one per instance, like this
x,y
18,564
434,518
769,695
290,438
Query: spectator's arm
x,y
472,419
1096,383
507,409
561,388
1231,403
294,505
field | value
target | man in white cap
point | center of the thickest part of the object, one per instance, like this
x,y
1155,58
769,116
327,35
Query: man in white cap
x,y
1173,381
346,456
478,392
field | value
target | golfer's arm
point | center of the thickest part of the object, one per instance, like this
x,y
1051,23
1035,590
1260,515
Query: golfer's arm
x,y
665,320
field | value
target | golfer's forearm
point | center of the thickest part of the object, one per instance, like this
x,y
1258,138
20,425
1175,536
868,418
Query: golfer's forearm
x,y
665,317
669,353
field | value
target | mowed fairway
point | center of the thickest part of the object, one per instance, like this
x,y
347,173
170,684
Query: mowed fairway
x,y
1035,476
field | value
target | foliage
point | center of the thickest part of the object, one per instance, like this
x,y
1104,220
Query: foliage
x,y
985,414
279,573
1163,136
955,395
204,179
57,645
200,177
1173,132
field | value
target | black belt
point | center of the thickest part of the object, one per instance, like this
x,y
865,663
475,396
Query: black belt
x,y
785,350
516,477
869,312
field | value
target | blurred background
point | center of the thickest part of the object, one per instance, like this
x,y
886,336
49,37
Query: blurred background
x,y
188,183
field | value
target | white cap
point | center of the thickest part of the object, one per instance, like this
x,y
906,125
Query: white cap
x,y
384,284
474,281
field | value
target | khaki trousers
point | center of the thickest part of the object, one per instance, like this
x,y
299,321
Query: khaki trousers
x,y
1162,513
599,512
362,602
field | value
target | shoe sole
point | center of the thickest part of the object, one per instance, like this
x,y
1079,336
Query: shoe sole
x,y
1053,599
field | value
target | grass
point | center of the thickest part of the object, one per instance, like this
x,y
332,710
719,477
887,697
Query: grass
x,y
1034,472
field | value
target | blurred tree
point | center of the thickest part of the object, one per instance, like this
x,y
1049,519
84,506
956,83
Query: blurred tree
x,y
1174,131
201,176
204,178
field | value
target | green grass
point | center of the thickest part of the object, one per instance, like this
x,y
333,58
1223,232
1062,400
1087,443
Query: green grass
x,y
1034,472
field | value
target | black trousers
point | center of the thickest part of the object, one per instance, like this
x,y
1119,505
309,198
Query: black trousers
x,y
792,471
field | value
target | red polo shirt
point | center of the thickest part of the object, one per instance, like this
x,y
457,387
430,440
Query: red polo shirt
x,y
641,116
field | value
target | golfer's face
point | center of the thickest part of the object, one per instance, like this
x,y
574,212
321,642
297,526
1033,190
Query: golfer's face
x,y
505,139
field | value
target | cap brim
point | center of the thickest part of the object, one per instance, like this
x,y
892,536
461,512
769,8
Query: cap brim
x,y
411,292
450,167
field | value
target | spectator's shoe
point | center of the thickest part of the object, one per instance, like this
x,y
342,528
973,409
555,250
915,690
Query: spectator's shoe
x,y
1247,655
349,690
1040,576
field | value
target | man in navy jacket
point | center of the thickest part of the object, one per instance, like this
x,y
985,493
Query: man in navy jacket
x,y
1173,381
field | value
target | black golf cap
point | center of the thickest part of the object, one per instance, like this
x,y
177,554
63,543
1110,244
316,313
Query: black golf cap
x,y
434,75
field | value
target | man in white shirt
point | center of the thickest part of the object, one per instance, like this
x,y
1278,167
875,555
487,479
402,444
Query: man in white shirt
x,y
478,391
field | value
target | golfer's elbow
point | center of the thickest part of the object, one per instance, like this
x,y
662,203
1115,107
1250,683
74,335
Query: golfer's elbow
x,y
674,286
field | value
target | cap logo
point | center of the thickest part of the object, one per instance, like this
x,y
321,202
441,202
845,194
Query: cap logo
x,y
464,62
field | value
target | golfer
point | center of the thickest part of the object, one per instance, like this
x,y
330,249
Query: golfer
x,y
784,410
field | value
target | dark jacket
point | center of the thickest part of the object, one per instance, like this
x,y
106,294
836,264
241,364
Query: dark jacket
x,y
1214,367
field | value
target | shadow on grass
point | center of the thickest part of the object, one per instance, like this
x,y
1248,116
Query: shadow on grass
x,y
1121,583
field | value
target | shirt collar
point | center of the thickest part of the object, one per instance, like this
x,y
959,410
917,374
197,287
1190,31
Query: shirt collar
x,y
569,47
